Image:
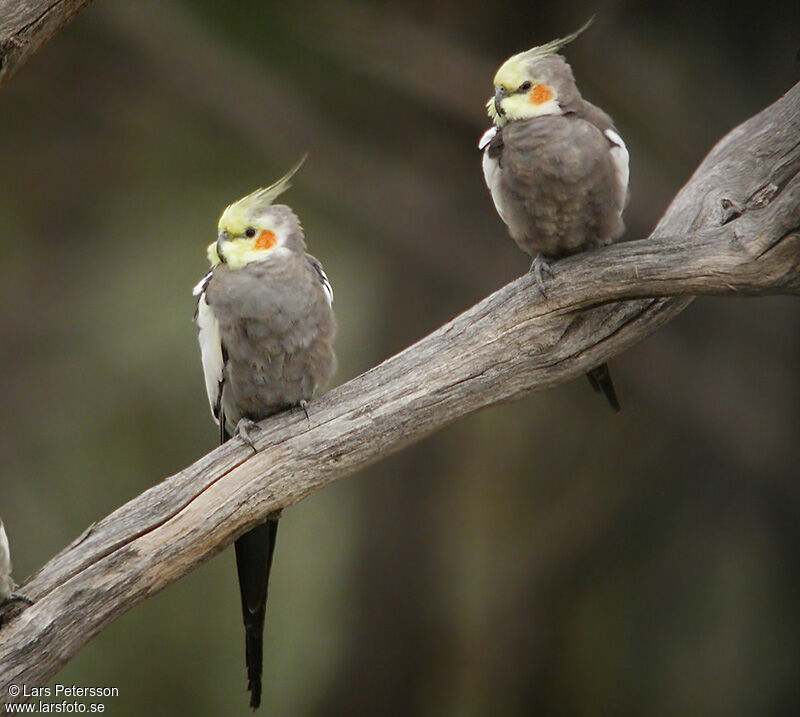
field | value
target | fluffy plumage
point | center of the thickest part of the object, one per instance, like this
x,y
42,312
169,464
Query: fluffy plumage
x,y
556,184
266,332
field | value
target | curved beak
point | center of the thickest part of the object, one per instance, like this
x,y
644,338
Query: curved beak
x,y
222,237
499,95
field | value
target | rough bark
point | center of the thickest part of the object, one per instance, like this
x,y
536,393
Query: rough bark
x,y
25,25
733,229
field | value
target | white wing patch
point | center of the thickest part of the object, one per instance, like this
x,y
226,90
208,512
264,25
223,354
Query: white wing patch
x,y
619,153
326,286
491,175
6,583
210,348
487,137
200,286
491,171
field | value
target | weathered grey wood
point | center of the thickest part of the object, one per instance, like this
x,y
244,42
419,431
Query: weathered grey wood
x,y
25,25
734,228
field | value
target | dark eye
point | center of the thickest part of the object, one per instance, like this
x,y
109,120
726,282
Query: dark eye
x,y
525,86
249,232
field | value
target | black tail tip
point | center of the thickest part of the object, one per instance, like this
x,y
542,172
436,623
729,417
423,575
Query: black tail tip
x,y
253,659
600,380
608,390
254,687
255,698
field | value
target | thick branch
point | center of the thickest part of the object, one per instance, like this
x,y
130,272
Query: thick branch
x,y
734,228
25,25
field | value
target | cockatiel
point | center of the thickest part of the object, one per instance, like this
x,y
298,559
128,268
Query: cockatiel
x,y
556,167
266,332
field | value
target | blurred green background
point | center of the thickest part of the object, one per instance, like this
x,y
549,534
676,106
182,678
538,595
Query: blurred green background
x,y
545,557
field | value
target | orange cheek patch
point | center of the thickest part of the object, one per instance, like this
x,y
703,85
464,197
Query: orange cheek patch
x,y
266,240
541,94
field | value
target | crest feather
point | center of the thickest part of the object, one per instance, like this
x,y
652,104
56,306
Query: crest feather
x,y
554,46
265,196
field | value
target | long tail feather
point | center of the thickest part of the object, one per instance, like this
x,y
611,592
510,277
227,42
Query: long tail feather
x,y
254,552
600,379
253,562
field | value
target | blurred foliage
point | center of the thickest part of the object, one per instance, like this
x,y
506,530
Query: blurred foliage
x,y
544,557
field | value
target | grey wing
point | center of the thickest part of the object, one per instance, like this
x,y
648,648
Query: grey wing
x,y
619,152
322,276
321,358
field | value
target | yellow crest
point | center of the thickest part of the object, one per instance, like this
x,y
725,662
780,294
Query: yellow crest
x,y
512,71
240,212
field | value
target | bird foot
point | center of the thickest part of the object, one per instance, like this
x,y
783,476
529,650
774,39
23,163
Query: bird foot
x,y
17,597
12,606
304,405
539,267
248,431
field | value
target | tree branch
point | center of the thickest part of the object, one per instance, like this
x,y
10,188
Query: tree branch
x,y
25,25
734,228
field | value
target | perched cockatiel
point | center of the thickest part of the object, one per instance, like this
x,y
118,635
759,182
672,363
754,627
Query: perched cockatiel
x,y
556,168
266,331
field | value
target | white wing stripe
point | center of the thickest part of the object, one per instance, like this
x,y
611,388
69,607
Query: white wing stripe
x,y
200,286
326,284
491,175
6,583
619,153
210,351
487,137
